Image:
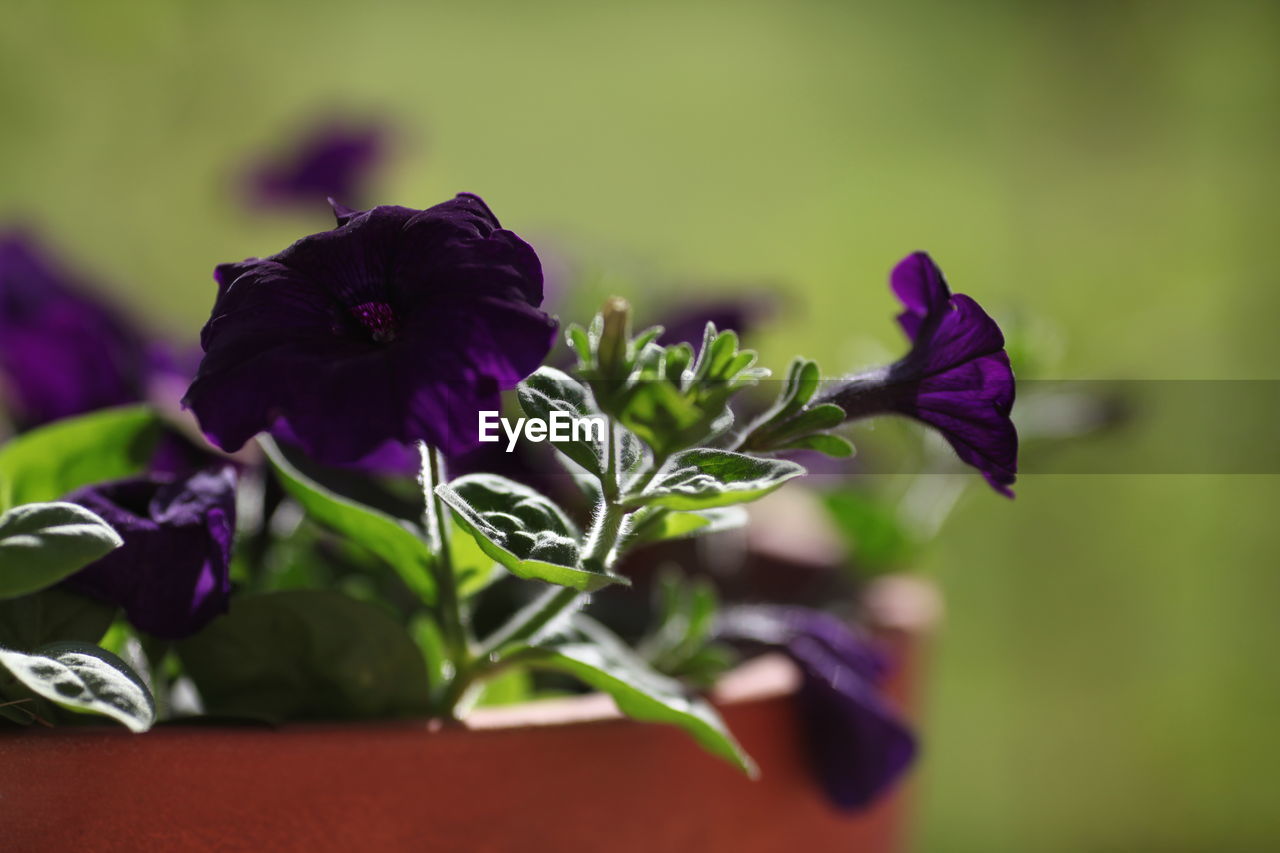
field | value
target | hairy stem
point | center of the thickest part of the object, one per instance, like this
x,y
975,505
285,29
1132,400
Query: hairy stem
x,y
448,607
598,553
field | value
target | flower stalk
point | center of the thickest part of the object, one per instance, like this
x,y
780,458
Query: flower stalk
x,y
598,555
448,609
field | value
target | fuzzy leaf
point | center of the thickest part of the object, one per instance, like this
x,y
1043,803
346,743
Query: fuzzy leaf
x,y
820,417
40,544
84,678
547,391
665,524
521,529
835,446
705,478
580,343
801,384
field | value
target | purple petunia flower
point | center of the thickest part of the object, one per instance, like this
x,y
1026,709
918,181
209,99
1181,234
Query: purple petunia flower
x,y
956,378
172,575
397,326
331,160
63,351
858,743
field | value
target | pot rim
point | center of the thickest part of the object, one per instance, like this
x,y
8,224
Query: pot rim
x,y
897,606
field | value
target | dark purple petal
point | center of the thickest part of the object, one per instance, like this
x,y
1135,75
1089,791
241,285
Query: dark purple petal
x,y
225,274
396,326
956,378
63,351
461,239
920,287
172,575
351,263
858,743
336,159
341,212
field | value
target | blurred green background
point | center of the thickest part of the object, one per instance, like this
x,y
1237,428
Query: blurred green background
x,y
1106,679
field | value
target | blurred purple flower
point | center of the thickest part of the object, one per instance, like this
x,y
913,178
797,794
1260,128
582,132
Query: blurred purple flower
x,y
858,743
331,160
172,575
398,325
687,323
63,351
956,378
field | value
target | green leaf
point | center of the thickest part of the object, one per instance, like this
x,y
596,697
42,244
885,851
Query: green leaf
x,y
435,656
84,678
664,524
820,417
40,544
788,425
52,615
307,654
687,613
389,538
672,404
876,535
506,688
521,529
580,342
603,662
705,478
823,442
474,569
802,383
664,417
547,391
47,463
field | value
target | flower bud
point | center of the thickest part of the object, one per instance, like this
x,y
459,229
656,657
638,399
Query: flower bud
x,y
616,334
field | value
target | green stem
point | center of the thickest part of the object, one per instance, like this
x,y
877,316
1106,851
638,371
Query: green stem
x,y
462,687
531,619
598,550
609,485
597,555
448,607
156,652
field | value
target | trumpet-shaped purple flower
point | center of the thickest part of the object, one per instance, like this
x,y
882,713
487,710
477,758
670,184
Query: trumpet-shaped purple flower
x,y
332,160
63,351
172,574
858,743
956,378
398,325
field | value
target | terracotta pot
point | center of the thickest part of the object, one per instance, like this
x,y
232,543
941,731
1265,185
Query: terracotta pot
x,y
559,775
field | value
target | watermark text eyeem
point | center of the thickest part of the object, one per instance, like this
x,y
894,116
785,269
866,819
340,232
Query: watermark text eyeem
x,y
560,426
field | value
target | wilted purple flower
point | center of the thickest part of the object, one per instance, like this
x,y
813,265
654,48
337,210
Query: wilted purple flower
x,y
858,743
63,351
397,325
172,574
332,160
956,378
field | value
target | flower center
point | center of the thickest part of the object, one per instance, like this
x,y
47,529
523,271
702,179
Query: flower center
x,y
378,318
